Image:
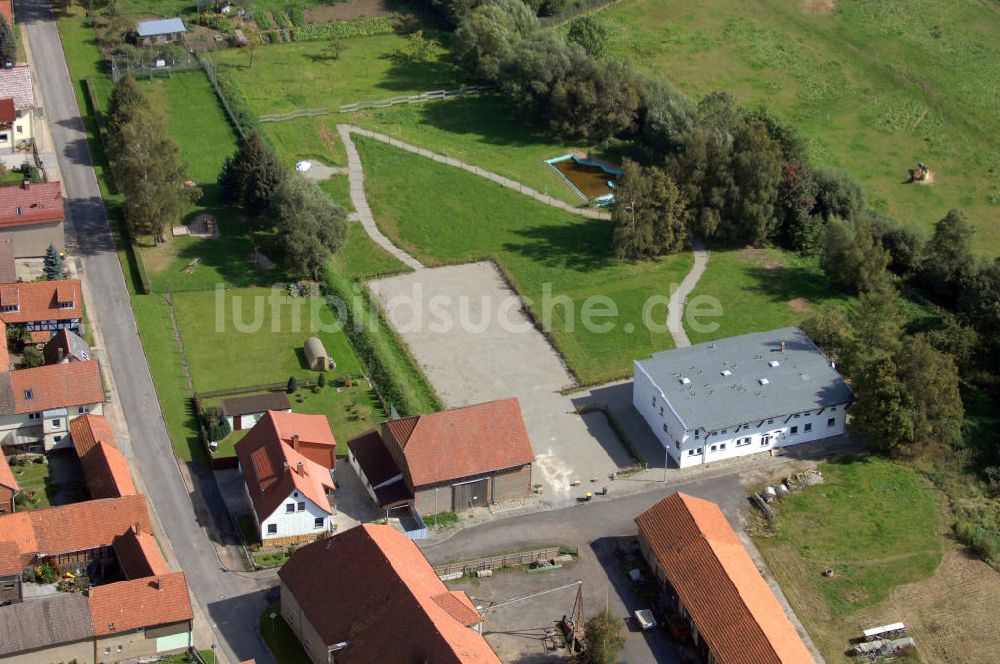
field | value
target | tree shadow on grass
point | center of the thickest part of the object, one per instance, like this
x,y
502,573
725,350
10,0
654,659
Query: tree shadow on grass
x,y
584,246
784,283
484,115
406,75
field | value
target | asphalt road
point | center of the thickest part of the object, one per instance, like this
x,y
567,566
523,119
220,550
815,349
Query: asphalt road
x,y
232,602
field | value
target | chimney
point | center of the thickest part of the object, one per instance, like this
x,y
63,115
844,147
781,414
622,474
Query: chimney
x,y
137,528
26,185
159,584
62,353
284,464
295,441
782,346
302,469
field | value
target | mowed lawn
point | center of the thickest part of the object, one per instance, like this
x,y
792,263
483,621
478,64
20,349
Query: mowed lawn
x,y
756,290
444,215
874,86
254,336
874,522
479,129
361,258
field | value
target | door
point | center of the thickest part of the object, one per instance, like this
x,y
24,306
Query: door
x,y
469,494
237,422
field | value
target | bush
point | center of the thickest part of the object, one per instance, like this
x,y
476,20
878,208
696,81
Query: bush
x,y
32,357
297,16
321,381
293,385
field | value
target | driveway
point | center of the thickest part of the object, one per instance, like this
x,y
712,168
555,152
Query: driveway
x,y
593,529
493,351
231,602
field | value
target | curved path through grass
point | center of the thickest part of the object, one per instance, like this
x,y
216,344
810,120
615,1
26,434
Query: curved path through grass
x,y
355,174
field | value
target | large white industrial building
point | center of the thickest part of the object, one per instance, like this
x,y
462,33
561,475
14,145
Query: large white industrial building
x,y
739,396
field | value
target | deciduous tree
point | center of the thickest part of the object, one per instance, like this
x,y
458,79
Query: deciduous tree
x,y
490,35
311,228
852,258
589,34
948,255
650,215
605,637
8,44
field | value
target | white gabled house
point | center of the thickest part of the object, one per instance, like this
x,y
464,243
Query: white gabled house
x,y
740,396
290,494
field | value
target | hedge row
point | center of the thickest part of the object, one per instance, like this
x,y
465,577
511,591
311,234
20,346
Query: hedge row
x,y
95,106
230,90
390,366
359,27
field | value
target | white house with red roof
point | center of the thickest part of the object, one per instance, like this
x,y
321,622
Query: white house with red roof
x,y
291,495
17,104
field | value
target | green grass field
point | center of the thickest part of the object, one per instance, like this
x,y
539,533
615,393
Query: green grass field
x,y
472,218
758,290
875,87
361,258
481,130
874,522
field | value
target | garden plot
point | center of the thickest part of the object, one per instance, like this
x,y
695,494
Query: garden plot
x,y
493,351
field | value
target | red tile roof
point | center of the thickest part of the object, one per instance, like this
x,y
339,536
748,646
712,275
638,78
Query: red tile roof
x,y
127,605
7,478
139,555
76,527
272,471
728,600
463,442
106,472
37,301
87,430
38,202
57,386
399,588
314,429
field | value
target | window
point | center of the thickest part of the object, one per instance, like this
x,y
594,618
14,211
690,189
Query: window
x,y
661,411
833,409
10,308
714,447
743,442
82,410
770,421
3,138
809,427
34,416
120,647
697,434
665,429
272,528
807,414
690,452
698,451
724,431
654,402
66,305
56,438
57,423
794,431
797,416
107,651
830,422
318,522
677,444
289,508
20,130
722,447
28,394
295,494
302,506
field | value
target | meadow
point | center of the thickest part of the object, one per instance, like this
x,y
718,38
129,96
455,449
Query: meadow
x,y
537,246
874,87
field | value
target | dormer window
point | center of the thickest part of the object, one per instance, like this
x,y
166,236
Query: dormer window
x,y
29,394
10,308
19,211
66,305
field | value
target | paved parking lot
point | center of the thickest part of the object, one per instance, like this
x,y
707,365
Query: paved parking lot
x,y
498,353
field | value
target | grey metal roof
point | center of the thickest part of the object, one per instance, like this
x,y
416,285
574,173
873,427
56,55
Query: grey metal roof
x,y
162,26
40,623
803,380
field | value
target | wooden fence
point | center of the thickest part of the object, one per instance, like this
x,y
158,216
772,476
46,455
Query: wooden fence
x,y
499,561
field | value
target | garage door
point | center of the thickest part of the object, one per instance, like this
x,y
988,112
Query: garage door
x,y
469,494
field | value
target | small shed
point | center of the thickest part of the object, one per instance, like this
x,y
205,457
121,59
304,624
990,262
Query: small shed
x,y
244,412
160,31
316,357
